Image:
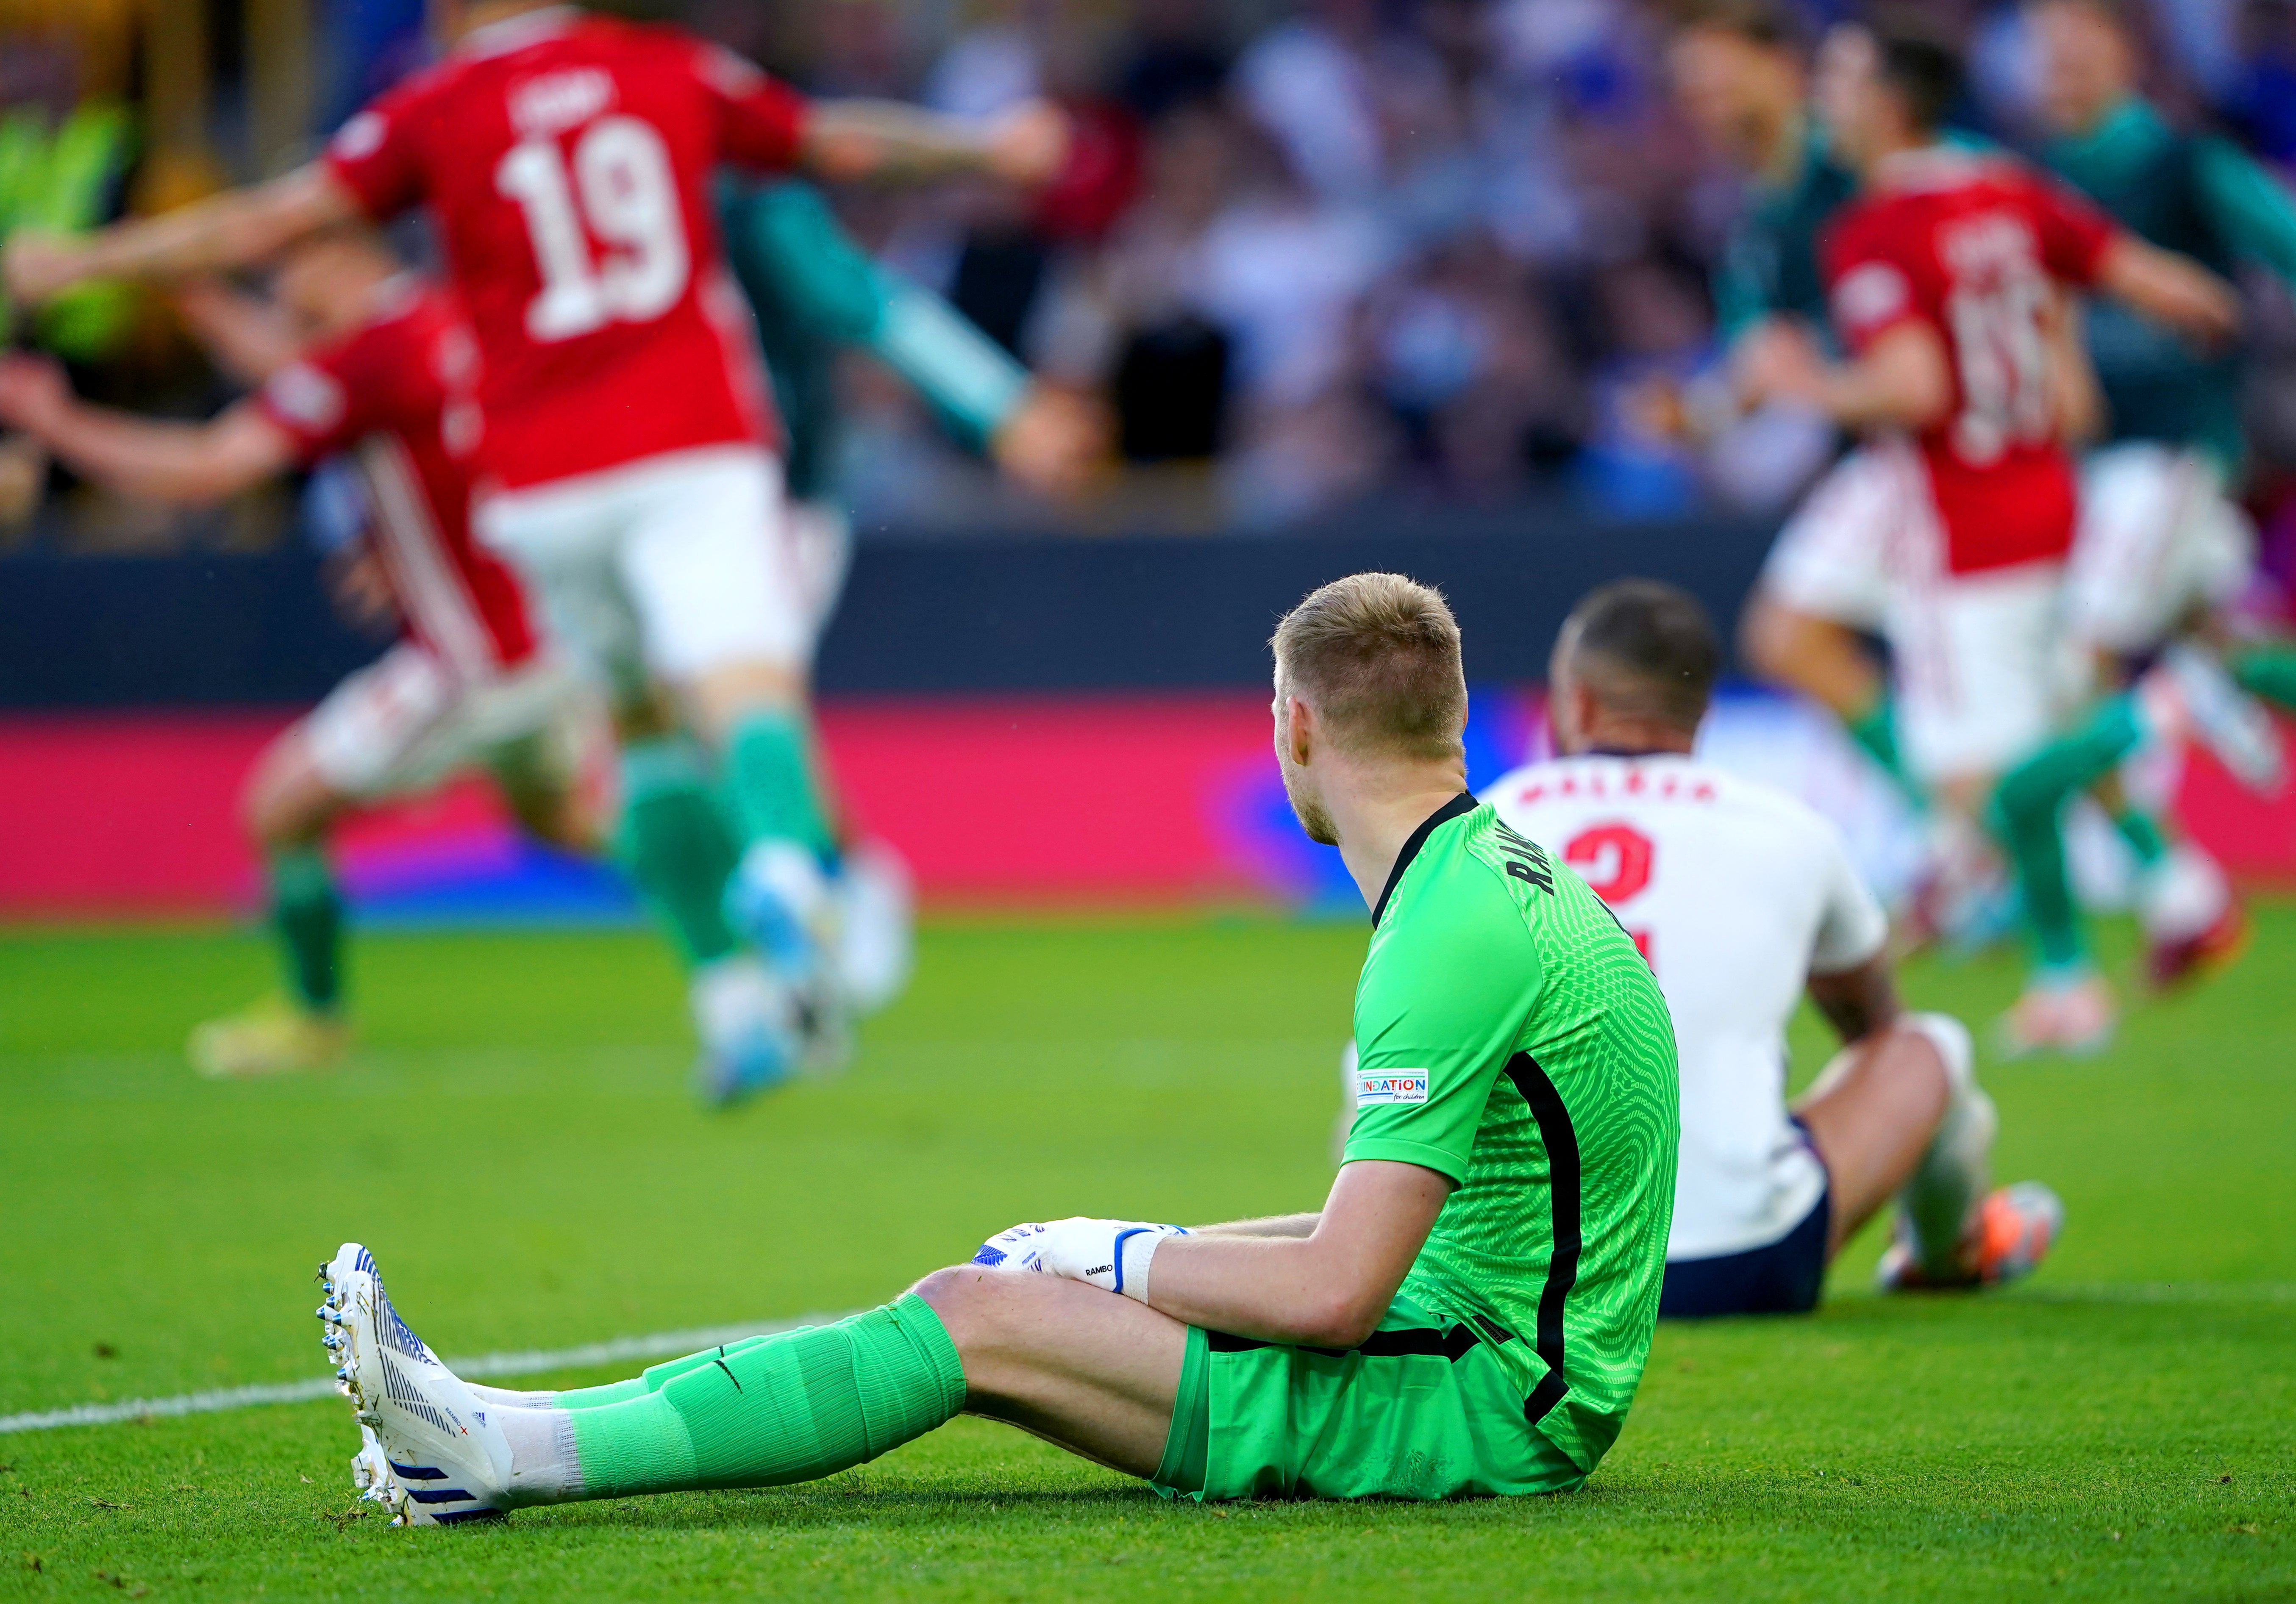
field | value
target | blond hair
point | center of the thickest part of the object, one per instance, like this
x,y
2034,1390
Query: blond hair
x,y
1377,657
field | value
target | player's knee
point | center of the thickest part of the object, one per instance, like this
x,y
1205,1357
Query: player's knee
x,y
729,693
1757,634
1766,636
1949,1039
2028,796
276,815
964,1296
994,1314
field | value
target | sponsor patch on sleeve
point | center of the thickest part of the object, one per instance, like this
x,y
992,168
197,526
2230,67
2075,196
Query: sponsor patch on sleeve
x,y
1377,1086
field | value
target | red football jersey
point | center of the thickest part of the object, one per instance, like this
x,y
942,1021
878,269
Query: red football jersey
x,y
567,160
1975,247
396,392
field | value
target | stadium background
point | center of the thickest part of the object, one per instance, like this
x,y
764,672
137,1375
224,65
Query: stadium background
x,y
1047,706
1366,284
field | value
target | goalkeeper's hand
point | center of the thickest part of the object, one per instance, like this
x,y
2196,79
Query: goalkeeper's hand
x,y
1112,1254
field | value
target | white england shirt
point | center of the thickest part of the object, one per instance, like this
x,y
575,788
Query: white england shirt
x,y
1736,893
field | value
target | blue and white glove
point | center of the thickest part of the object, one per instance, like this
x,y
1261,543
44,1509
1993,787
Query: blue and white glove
x,y
1112,1254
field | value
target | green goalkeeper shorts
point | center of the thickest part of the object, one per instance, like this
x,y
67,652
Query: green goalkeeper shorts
x,y
1421,1410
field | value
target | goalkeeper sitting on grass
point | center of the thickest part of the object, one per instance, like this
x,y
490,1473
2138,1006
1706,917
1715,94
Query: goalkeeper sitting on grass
x,y
1469,1313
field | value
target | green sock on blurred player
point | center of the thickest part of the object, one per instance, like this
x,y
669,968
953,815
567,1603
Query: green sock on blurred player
x,y
307,1030
673,843
2142,833
1876,730
307,912
2029,808
2267,672
772,780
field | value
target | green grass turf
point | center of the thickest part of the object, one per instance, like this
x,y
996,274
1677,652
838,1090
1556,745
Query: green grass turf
x,y
515,1141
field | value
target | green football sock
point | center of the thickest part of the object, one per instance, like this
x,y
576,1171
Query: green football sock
x,y
307,912
653,1379
2142,833
673,843
770,776
2029,808
1876,730
2267,672
791,1407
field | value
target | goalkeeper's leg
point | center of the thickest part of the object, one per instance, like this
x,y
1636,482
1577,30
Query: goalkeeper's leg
x,y
1096,1373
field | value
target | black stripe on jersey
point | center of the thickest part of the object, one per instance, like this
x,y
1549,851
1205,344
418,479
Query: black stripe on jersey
x,y
1563,1187
1454,1343
1463,803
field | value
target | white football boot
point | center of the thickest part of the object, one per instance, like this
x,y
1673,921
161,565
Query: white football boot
x,y
443,1462
2190,692
371,1477
876,932
2067,1012
2192,920
779,901
752,1028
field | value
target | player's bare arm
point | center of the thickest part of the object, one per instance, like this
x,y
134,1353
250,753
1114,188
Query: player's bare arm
x,y
247,337
1328,1288
1054,441
1076,1364
234,229
1878,1108
889,140
1272,1226
1858,1002
192,463
2175,290
2081,413
1904,379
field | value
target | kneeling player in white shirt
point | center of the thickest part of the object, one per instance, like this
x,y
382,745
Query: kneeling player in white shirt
x,y
1741,898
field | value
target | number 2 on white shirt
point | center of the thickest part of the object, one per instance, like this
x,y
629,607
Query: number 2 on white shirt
x,y
620,186
1615,860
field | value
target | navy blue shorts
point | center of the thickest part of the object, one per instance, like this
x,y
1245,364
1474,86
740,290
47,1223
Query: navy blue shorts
x,y
1784,1277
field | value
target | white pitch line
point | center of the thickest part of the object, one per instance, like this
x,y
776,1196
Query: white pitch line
x,y
661,1344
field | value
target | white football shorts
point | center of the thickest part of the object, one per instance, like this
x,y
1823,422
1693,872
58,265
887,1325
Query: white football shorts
x,y
1983,666
665,568
820,536
2157,540
405,721
1834,556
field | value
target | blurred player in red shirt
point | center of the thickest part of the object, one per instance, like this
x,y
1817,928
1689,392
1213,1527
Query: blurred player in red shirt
x,y
1947,279
356,358
625,461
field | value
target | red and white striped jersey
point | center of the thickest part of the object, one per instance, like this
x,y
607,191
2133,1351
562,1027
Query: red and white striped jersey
x,y
567,160
394,393
1977,246
1736,893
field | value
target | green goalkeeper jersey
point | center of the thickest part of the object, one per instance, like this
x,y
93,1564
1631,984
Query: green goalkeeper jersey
x,y
1511,1037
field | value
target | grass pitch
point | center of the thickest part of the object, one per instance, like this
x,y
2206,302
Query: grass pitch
x,y
516,1141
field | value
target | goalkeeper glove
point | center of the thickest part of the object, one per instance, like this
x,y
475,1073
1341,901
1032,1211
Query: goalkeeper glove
x,y
1112,1254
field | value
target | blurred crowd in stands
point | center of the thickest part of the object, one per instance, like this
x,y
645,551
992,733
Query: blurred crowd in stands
x,y
1312,253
